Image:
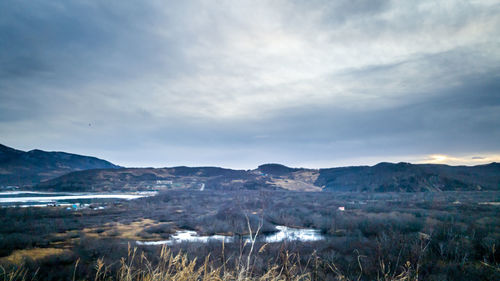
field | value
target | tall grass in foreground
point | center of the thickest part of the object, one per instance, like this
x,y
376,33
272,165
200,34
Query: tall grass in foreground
x,y
178,267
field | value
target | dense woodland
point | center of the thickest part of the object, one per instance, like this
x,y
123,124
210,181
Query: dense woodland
x,y
423,236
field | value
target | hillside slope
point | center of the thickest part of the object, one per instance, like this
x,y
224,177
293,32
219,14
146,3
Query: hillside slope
x,y
60,171
135,179
385,177
24,169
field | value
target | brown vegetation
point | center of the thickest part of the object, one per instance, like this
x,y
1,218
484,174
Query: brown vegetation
x,y
443,236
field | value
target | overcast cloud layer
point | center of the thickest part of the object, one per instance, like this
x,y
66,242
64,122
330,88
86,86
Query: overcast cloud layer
x,y
240,83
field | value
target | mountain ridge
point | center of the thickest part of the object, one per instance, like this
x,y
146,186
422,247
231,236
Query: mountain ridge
x,y
61,171
388,177
28,168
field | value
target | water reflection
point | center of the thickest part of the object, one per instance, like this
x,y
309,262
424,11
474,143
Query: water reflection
x,y
46,197
283,233
292,234
188,236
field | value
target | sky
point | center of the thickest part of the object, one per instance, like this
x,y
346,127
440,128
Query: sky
x,y
305,83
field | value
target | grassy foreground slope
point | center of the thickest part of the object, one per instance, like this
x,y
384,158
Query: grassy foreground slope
x,y
178,267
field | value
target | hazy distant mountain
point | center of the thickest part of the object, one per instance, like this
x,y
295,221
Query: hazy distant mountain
x,y
19,168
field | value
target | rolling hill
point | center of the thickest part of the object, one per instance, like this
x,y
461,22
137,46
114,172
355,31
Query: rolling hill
x,y
25,169
139,179
383,177
60,171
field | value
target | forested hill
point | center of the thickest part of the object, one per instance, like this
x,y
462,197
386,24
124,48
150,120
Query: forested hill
x,y
20,168
60,171
410,177
383,177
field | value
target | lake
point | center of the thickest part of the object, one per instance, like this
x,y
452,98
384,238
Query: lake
x,y
38,199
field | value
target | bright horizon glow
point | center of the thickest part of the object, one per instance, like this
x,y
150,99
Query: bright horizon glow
x,y
438,158
452,161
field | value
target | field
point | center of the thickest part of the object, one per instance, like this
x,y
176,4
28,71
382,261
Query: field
x,y
378,236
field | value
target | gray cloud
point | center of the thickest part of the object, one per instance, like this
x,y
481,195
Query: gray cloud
x,y
241,83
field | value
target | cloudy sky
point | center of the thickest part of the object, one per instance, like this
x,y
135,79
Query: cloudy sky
x,y
239,83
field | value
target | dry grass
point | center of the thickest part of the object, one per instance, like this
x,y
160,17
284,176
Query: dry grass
x,y
298,181
177,267
109,230
123,231
294,185
18,256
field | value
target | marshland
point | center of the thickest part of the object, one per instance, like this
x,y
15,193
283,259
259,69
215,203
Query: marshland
x,y
377,236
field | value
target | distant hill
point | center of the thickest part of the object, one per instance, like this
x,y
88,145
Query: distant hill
x,y
134,179
276,169
59,171
24,169
408,177
383,177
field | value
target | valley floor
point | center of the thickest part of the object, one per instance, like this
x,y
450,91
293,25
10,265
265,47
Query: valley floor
x,y
364,236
